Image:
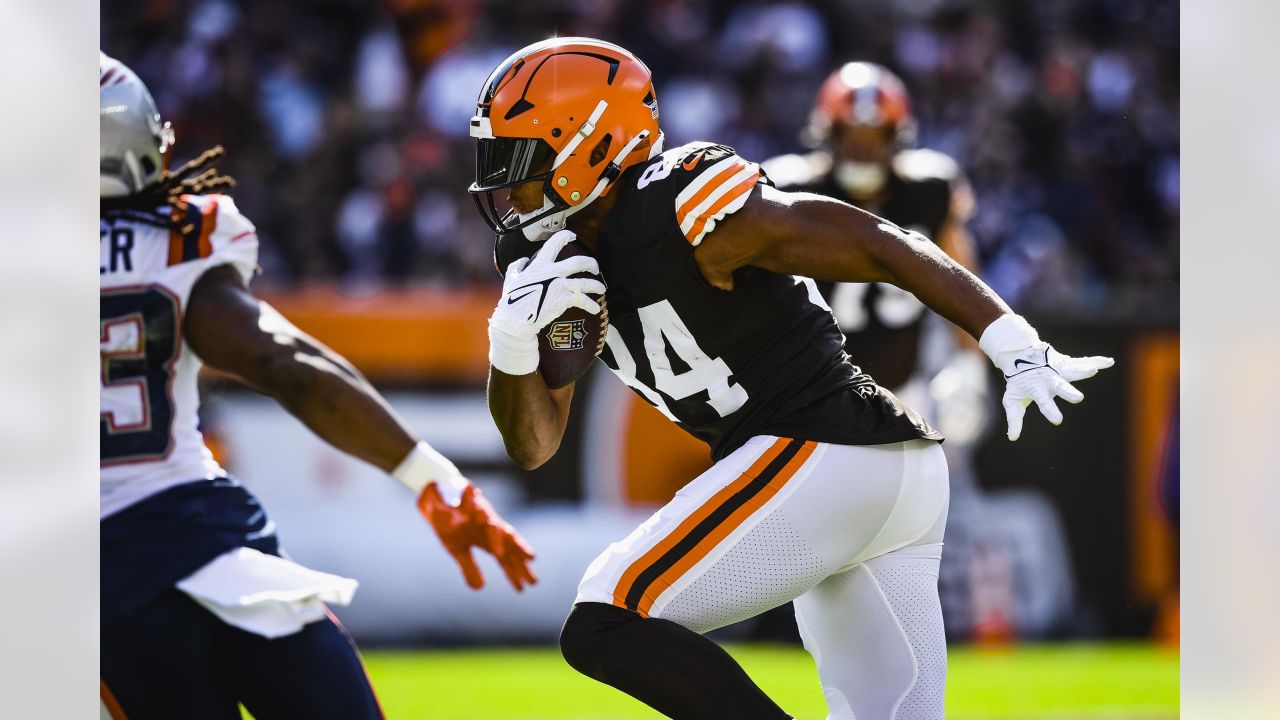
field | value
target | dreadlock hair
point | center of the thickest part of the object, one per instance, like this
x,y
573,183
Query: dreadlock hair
x,y
160,202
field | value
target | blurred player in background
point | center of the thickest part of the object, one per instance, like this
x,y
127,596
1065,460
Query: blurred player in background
x,y
200,610
865,132
826,489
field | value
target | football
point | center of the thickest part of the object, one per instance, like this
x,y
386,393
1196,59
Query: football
x,y
570,343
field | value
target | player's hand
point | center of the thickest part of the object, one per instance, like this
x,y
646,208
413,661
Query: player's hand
x,y
1034,372
536,291
474,523
1039,374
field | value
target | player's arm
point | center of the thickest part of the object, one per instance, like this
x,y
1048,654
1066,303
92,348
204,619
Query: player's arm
x,y
826,239
532,417
822,238
233,331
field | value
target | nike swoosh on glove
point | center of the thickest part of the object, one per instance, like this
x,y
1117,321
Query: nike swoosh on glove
x,y
474,523
1034,371
536,291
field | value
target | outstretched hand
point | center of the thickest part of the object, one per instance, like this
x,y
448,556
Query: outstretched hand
x,y
1039,374
474,523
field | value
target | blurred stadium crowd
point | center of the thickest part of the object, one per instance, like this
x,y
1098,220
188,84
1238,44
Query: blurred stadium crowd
x,y
345,120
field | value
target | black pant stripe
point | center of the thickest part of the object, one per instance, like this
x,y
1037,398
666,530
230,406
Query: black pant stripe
x,y
709,523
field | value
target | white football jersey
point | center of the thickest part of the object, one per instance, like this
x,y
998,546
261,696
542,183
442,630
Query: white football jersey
x,y
149,401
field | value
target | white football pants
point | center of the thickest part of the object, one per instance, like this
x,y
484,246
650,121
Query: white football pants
x,y
852,534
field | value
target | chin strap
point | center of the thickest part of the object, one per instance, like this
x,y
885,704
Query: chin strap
x,y
549,225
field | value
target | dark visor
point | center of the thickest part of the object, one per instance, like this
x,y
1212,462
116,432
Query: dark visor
x,y
506,162
502,162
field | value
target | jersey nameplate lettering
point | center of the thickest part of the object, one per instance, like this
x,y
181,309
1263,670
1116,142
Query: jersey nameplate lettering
x,y
119,250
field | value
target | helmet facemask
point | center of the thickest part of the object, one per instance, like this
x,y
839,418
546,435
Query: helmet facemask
x,y
861,156
502,164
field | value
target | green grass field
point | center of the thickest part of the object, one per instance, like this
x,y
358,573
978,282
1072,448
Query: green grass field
x,y
1114,681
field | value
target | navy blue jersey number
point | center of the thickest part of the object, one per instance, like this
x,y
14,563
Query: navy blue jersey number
x,y
139,346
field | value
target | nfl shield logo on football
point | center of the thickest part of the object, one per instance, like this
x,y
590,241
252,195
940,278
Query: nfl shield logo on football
x,y
567,334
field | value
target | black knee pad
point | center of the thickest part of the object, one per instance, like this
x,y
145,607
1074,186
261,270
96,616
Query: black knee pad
x,y
584,637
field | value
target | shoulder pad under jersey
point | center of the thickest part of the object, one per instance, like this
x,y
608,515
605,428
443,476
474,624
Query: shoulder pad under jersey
x,y
931,166
923,164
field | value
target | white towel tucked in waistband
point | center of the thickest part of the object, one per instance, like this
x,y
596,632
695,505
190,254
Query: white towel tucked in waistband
x,y
264,594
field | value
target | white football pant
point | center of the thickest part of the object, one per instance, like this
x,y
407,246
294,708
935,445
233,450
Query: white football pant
x,y
852,534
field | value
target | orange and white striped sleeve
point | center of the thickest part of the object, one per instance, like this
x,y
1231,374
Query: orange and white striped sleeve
x,y
720,189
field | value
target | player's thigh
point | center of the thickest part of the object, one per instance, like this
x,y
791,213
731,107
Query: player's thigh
x,y
875,631
862,501
846,503
163,662
313,673
706,517
756,530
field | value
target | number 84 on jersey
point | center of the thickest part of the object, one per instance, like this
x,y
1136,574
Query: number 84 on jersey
x,y
664,333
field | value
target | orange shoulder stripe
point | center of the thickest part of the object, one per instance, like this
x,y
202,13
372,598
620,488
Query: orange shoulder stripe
x,y
741,189
193,242
209,222
712,185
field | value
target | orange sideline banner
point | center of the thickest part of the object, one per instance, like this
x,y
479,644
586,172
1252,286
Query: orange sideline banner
x,y
403,335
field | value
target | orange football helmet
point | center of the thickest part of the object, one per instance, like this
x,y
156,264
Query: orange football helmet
x,y
863,94
572,113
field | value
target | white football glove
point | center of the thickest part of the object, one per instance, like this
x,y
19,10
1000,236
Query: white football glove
x,y
1034,371
536,291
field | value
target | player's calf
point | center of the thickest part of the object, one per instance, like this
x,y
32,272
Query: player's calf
x,y
667,666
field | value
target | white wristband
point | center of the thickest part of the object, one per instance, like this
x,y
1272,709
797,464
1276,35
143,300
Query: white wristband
x,y
1009,333
514,353
423,466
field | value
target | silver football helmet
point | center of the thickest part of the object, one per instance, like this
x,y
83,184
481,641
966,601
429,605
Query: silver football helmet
x,y
133,140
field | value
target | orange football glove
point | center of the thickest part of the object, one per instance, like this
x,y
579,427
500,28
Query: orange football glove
x,y
474,522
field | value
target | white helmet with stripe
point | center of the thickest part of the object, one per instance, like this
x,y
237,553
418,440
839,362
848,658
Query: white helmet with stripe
x,y
133,139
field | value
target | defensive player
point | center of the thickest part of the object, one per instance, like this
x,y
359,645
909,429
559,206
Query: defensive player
x,y
199,609
864,129
826,489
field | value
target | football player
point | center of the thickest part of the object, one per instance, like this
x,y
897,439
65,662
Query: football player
x,y
200,610
864,134
826,489
863,125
